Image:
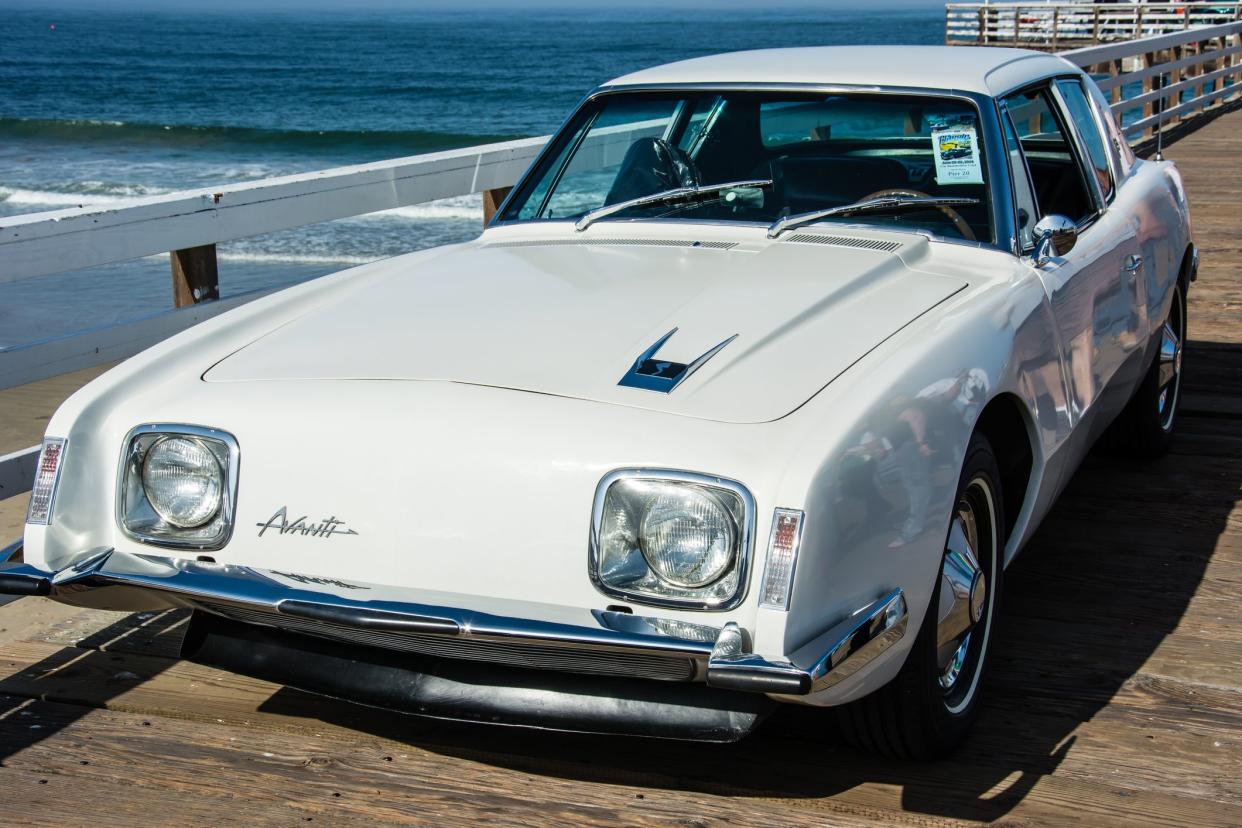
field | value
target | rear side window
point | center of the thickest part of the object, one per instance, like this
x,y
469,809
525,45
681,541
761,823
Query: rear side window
x,y
1089,131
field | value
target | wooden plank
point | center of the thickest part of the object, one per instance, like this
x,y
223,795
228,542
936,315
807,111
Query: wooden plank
x,y
492,199
773,766
195,275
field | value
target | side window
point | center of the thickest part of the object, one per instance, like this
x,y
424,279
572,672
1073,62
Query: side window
x,y
1089,130
1059,181
1024,194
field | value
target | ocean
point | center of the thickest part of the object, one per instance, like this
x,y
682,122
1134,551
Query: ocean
x,y
97,107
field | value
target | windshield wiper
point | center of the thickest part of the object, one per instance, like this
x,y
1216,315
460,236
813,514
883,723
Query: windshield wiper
x,y
676,194
873,205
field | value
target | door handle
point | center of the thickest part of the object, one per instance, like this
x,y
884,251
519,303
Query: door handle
x,y
1133,264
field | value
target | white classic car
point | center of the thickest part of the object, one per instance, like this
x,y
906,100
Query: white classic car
x,y
761,375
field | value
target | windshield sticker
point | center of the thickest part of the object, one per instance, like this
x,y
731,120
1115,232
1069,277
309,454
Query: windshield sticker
x,y
956,150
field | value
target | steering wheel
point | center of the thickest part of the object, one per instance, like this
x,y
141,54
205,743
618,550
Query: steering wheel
x,y
951,214
652,165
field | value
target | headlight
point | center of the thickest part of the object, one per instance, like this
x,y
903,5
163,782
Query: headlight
x,y
672,538
177,486
183,481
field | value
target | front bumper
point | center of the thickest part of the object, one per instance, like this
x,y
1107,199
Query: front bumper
x,y
523,635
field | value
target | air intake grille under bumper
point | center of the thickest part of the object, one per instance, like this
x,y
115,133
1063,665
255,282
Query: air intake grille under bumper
x,y
566,658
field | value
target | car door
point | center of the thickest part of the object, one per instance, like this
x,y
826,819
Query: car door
x,y
1090,290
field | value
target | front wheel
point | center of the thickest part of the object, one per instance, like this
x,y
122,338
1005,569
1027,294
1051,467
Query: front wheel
x,y
927,709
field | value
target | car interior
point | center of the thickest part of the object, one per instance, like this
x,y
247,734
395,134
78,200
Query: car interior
x,y
818,151
1056,175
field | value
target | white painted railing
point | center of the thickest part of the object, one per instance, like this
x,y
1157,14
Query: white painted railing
x,y
1199,61
1056,26
1178,75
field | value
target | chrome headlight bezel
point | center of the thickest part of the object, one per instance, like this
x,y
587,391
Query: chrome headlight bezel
x,y
741,566
135,515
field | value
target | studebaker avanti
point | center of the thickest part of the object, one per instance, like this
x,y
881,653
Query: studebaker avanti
x,y
747,395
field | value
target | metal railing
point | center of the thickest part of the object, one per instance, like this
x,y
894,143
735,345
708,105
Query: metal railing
x,y
1056,26
1166,78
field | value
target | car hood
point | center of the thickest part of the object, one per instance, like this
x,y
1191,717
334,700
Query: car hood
x,y
570,317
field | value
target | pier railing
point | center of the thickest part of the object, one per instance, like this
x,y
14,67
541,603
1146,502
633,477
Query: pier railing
x,y
1057,26
1152,82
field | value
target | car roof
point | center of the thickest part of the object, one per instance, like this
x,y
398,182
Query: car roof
x,y
984,70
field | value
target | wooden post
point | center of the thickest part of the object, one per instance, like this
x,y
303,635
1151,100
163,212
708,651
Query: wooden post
x,y
1056,25
1095,27
492,199
195,276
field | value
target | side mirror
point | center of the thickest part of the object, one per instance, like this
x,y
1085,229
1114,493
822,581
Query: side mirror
x,y
1055,235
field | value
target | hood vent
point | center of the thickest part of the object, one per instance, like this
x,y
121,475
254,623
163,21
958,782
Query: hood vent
x,y
845,241
706,245
653,374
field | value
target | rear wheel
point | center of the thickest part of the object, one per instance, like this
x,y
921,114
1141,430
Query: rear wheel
x,y
928,708
1145,428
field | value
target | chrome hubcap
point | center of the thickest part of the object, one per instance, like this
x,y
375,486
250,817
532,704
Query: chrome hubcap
x,y
1170,369
963,594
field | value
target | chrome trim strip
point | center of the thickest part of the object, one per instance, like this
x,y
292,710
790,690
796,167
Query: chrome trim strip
x,y
826,661
719,655
228,504
178,582
368,619
745,552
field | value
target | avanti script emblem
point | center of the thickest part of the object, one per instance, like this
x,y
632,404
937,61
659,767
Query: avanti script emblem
x,y
325,528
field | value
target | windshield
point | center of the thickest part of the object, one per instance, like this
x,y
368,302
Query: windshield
x,y
817,151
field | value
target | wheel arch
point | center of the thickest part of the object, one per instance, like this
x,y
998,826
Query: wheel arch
x,y
1007,427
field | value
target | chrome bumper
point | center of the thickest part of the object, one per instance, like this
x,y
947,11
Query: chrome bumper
x,y
528,635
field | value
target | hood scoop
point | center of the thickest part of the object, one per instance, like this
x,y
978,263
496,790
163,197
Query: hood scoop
x,y
653,374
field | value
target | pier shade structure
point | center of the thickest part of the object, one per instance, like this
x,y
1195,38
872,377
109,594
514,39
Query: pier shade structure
x,y
1114,696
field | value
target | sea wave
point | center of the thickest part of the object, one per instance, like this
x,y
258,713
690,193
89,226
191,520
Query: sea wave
x,y
468,207
75,197
256,257
79,132
95,193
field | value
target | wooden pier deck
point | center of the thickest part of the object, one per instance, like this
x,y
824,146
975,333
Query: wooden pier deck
x,y
1115,694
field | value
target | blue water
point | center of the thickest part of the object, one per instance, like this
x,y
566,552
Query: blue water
x,y
96,107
